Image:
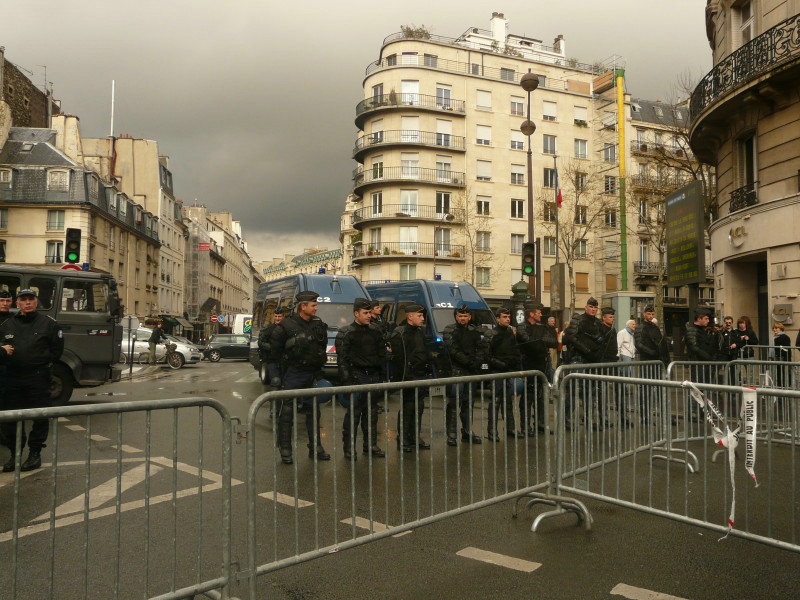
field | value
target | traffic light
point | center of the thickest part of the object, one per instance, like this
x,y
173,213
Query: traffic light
x,y
72,252
528,259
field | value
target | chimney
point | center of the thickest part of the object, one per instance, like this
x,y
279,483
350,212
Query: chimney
x,y
499,27
559,46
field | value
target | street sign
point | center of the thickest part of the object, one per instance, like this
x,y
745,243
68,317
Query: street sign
x,y
685,235
71,268
221,319
213,318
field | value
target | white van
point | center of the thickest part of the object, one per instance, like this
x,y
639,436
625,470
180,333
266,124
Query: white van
x,y
241,324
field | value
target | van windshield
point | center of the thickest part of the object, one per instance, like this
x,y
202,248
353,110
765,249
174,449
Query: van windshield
x,y
444,317
336,315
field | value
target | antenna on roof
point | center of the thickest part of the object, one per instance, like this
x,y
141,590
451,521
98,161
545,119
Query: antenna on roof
x,y
111,130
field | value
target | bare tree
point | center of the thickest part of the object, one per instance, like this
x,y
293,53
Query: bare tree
x,y
476,224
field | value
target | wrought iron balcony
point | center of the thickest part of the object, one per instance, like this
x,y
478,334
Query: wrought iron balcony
x,y
407,211
675,300
395,100
646,268
743,197
761,54
404,249
408,137
442,177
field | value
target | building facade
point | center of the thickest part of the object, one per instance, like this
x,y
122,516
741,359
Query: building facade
x,y
311,261
745,120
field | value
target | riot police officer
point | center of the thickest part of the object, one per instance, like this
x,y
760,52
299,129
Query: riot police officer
x,y
301,342
504,357
37,342
466,349
361,356
266,354
411,363
535,340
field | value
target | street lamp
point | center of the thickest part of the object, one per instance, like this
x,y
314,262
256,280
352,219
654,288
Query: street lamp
x,y
529,83
445,218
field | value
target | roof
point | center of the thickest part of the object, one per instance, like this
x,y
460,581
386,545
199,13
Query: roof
x,y
660,113
32,147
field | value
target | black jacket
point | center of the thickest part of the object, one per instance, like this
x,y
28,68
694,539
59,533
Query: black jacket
x,y
584,338
608,347
504,355
724,340
466,348
648,340
701,344
157,335
534,340
359,347
741,344
37,339
265,344
409,353
299,343
783,347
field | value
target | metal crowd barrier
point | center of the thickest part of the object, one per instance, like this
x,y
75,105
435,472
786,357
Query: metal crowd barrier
x,y
616,464
102,518
307,509
776,353
648,369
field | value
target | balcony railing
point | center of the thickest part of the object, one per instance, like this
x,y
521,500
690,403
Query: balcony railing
x,y
405,136
670,150
762,53
421,249
407,211
743,197
660,182
646,268
52,259
416,100
674,300
418,174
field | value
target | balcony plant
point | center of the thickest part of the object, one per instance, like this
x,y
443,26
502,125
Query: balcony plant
x,y
386,250
370,250
416,32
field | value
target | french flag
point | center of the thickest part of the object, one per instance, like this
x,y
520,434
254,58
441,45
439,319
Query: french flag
x,y
558,190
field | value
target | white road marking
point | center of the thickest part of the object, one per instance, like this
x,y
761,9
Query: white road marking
x,y
128,449
99,438
363,523
63,420
284,499
248,378
636,593
76,428
500,560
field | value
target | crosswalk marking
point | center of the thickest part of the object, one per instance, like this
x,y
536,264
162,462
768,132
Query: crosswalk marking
x,y
76,428
500,560
99,438
284,499
364,523
636,593
126,448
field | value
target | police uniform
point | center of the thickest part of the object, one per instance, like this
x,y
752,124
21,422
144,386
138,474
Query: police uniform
x,y
301,344
649,340
38,342
466,349
4,315
504,357
535,341
584,338
701,346
267,354
411,363
361,356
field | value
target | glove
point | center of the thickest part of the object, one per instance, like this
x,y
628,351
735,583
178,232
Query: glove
x,y
275,382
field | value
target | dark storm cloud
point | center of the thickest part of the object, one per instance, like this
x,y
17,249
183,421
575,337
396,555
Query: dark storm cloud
x,y
254,101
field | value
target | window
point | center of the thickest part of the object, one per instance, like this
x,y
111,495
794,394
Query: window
x,y
409,92
644,211
550,212
518,174
409,165
581,148
374,240
517,140
549,248
610,250
5,176
610,184
55,249
112,202
377,91
484,170
409,202
747,160
549,179
581,282
483,136
441,236
443,94
609,153
444,131
483,100
745,16
517,239
581,215
408,271
611,218
409,129
483,241
123,206
430,60
508,75
517,106
581,116
94,187
55,220
391,60
580,249
549,110
611,283
3,218
84,296
548,144
2,251
483,277
644,251
444,172
377,204
475,69
517,209
112,235
58,181
483,205
442,204
581,181
409,58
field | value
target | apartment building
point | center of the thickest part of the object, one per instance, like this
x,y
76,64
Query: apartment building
x,y
440,187
312,260
745,120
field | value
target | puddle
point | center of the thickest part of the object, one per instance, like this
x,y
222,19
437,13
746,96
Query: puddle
x,y
106,394
201,392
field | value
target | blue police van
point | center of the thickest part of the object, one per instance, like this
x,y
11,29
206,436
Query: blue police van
x,y
440,299
334,306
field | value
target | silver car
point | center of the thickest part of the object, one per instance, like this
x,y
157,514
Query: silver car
x,y
139,351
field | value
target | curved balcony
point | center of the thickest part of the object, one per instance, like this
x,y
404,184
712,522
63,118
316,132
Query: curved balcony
x,y
395,250
647,268
393,100
408,137
406,212
382,175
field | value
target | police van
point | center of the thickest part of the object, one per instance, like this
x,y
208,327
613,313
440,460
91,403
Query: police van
x,y
87,307
440,299
334,306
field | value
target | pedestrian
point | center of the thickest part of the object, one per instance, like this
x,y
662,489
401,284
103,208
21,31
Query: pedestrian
x,y
584,339
267,355
300,340
535,341
701,346
745,337
466,349
553,352
504,357
361,359
31,343
411,363
782,353
155,337
626,343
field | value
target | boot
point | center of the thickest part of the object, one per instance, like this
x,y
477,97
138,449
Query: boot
x,y
9,464
285,440
491,429
450,423
375,450
472,438
34,460
320,453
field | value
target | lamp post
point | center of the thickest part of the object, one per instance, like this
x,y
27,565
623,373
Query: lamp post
x,y
445,218
529,83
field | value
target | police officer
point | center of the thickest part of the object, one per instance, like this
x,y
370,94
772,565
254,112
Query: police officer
x,y
504,357
361,356
5,313
649,340
411,363
301,342
701,346
385,328
266,354
466,349
610,352
585,342
37,342
535,340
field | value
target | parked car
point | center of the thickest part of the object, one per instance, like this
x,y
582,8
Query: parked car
x,y
227,345
140,349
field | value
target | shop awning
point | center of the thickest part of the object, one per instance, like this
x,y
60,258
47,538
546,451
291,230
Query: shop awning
x,y
184,323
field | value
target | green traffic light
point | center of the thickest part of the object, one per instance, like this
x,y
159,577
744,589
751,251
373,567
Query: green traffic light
x,y
72,257
527,270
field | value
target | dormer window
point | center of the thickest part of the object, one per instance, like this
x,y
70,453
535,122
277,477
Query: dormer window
x,y
5,177
58,181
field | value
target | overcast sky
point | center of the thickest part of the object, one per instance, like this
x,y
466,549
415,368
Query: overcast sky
x,y
253,100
